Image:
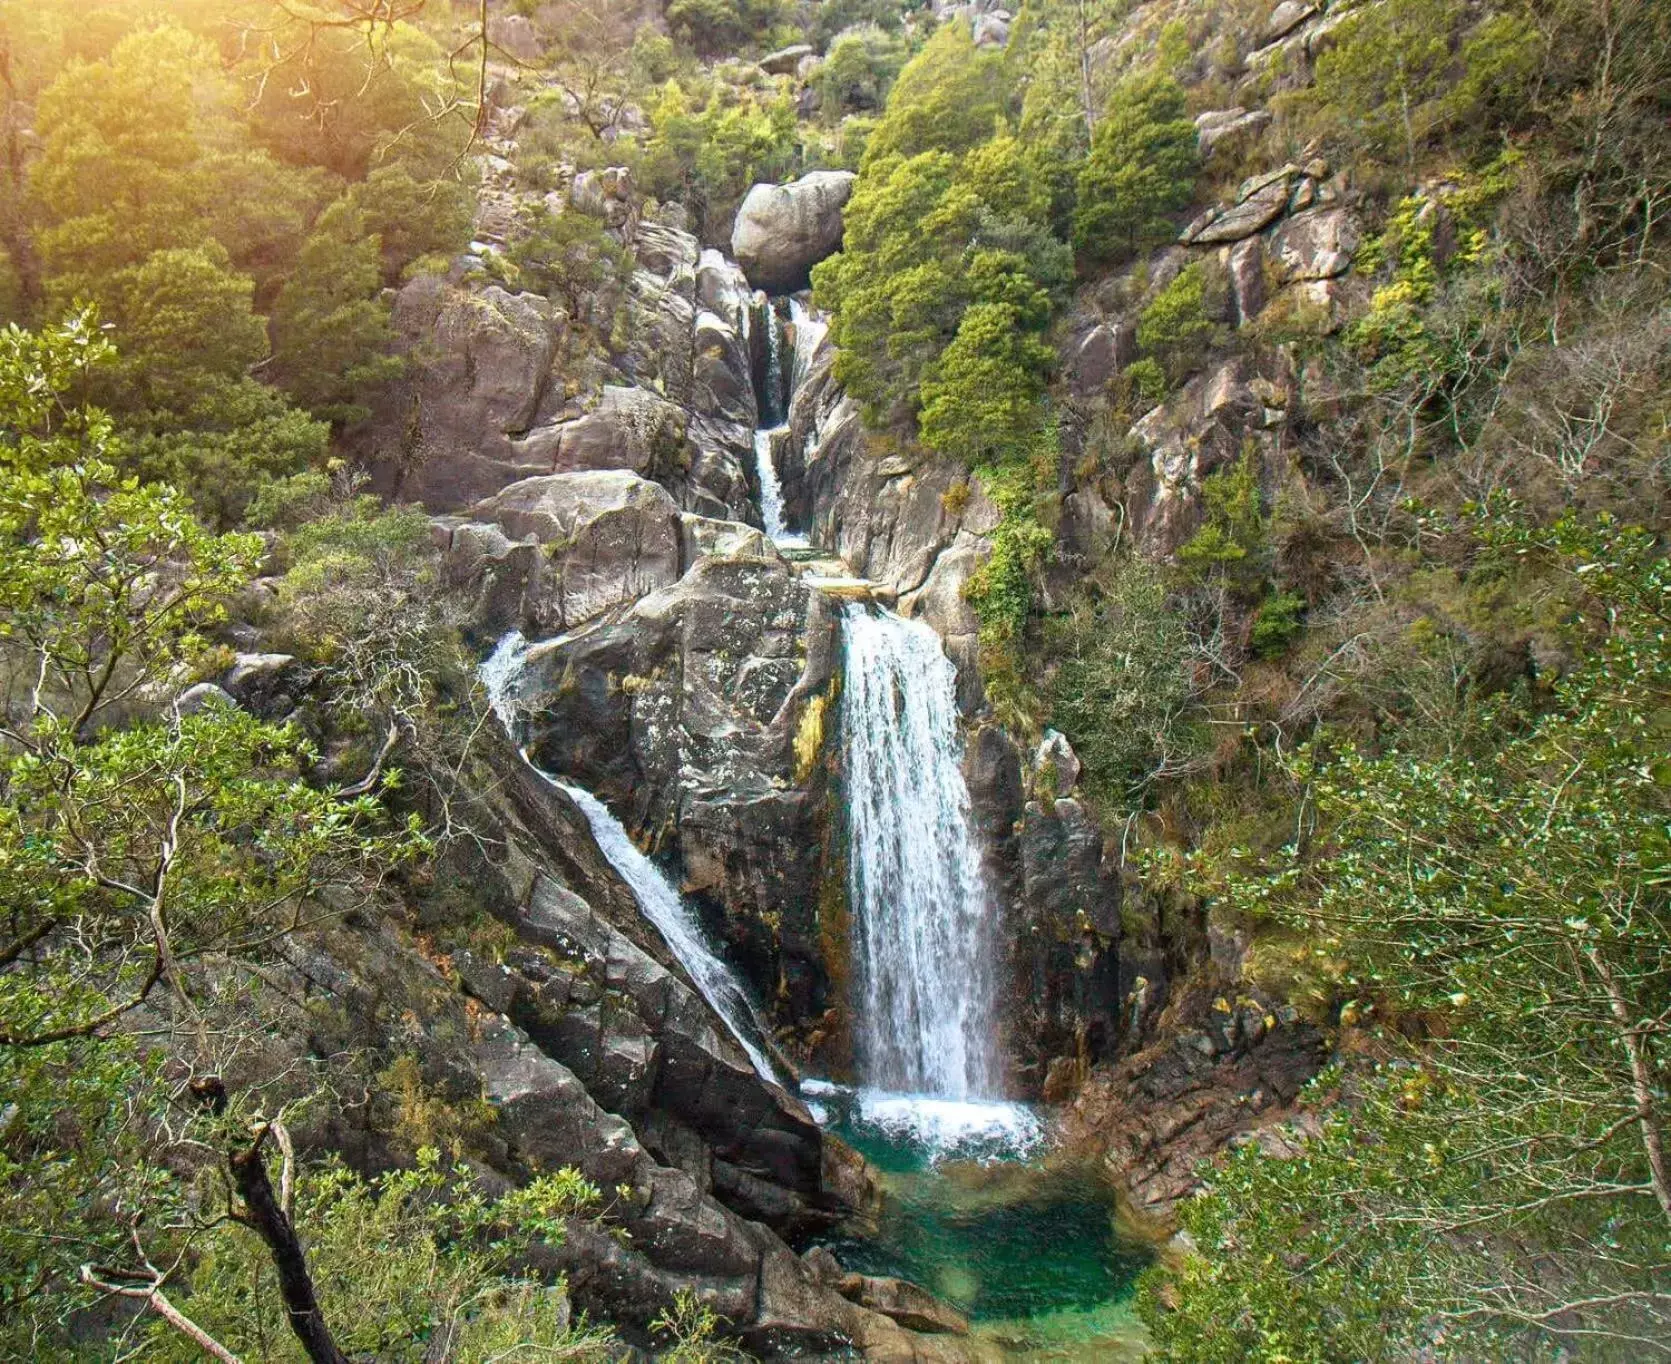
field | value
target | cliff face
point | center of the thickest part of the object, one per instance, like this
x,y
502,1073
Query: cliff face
x,y
591,472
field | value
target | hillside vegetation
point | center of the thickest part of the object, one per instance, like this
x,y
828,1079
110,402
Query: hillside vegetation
x,y
1367,650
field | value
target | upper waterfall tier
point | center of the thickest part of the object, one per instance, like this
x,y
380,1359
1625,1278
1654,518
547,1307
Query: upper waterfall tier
x,y
771,490
923,915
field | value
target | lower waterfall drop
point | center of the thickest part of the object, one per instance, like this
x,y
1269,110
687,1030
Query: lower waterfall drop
x,y
658,899
923,913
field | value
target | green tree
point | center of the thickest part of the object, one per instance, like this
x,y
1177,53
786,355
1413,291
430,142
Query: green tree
x,y
1503,1188
333,340
111,189
1381,81
717,27
186,327
1174,327
573,259
357,91
948,98
1122,691
1140,172
948,274
147,849
227,451
411,218
858,71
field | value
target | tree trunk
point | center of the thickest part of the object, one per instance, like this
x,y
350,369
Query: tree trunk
x,y
267,1219
1642,1081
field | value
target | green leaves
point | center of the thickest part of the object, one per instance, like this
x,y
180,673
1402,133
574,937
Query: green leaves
x,y
949,275
1507,901
1141,170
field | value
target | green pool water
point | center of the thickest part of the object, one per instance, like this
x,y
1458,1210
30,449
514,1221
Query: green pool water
x,y
1027,1248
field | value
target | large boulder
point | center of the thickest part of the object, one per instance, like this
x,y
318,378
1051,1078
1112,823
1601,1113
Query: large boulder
x,y
630,428
481,375
782,231
609,537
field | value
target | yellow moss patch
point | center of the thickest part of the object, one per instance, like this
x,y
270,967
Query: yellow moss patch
x,y
809,737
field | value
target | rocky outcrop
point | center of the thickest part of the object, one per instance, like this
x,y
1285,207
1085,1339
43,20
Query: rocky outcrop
x,y
786,60
1226,1068
782,231
482,379
548,554
684,715
479,407
1226,127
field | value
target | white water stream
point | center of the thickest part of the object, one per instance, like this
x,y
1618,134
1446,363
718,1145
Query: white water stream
x,y
658,899
923,921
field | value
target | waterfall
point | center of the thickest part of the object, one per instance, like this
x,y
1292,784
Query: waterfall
x,y
922,912
773,411
809,335
771,490
773,408
658,900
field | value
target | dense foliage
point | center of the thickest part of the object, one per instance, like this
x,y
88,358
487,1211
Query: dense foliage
x,y
1505,905
237,239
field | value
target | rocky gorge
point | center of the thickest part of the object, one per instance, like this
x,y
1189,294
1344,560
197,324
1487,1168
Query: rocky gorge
x,y
686,670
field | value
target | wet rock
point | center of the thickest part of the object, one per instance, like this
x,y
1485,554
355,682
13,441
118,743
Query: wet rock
x,y
1055,764
782,231
683,714
1230,1071
912,1307
266,684
515,35
482,364
203,696
1099,355
631,428
605,194
1246,268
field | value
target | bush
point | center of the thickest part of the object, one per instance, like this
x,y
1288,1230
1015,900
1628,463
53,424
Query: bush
x,y
1174,328
1122,691
1277,624
858,71
1141,170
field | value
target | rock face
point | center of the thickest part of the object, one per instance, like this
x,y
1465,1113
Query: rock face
x,y
481,408
782,231
485,379
684,714
910,521
1227,1069
549,554
786,60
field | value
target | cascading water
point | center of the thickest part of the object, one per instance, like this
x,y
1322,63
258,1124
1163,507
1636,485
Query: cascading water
x,y
771,490
922,911
808,333
658,900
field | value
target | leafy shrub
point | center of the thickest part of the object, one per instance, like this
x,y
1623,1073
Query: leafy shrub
x,y
1141,170
1277,624
1122,691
